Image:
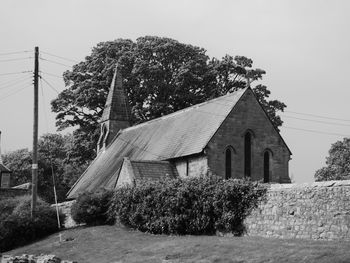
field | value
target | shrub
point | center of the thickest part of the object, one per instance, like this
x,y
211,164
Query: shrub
x,y
19,228
191,206
8,205
91,208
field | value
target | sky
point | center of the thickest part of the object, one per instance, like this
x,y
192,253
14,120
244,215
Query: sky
x,y
303,45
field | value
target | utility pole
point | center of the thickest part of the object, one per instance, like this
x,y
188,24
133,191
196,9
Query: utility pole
x,y
35,134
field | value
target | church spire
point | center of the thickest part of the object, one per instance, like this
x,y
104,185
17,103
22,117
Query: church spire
x,y
116,114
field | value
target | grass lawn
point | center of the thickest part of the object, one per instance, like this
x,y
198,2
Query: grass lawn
x,y
111,244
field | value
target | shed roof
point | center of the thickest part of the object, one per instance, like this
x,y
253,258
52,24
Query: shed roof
x,y
153,170
181,133
3,168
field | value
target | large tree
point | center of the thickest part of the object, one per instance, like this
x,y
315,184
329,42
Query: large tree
x,y
161,75
338,163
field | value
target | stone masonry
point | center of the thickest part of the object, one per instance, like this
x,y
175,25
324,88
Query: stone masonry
x,y
65,208
248,115
312,211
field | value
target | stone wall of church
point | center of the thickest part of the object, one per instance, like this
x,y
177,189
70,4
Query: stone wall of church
x,y
312,211
247,115
125,174
65,208
192,166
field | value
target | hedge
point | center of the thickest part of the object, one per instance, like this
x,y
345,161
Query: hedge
x,y
91,208
18,228
202,205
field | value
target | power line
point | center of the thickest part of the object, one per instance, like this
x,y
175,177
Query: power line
x,y
306,114
309,114
15,73
52,87
15,59
64,58
43,104
13,93
315,131
325,122
13,53
318,116
8,81
53,75
55,62
16,82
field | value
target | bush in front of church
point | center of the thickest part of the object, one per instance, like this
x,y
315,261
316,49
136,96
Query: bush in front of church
x,y
91,208
18,228
202,205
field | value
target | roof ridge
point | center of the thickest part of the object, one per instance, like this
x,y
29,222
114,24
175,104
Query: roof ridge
x,y
182,110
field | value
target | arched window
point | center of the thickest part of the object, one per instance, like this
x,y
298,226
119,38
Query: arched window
x,y
268,155
228,163
247,154
266,167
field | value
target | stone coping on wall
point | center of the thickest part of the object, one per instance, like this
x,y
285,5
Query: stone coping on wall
x,y
273,187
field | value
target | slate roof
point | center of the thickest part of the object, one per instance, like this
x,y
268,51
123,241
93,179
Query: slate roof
x,y
181,133
153,170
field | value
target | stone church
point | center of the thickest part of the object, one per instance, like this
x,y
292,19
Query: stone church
x,y
229,136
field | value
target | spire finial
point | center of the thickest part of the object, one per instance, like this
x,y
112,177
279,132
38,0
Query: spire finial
x,y
248,82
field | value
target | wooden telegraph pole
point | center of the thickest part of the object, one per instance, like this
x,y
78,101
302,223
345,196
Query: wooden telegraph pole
x,y
35,134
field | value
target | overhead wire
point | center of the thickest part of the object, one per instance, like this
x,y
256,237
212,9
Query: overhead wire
x,y
51,74
51,86
310,120
318,116
317,121
316,131
8,81
71,60
64,58
15,59
15,52
309,114
15,73
55,62
13,93
14,83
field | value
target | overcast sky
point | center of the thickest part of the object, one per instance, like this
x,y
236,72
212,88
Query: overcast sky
x,y
304,46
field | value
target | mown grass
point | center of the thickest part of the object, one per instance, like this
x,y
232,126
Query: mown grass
x,y
111,244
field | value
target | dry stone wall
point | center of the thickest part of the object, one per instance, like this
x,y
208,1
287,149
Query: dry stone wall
x,y
312,211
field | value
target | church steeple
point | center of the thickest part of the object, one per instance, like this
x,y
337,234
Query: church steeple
x,y
116,114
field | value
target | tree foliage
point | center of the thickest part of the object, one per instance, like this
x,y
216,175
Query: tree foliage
x,y
53,150
161,75
338,163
